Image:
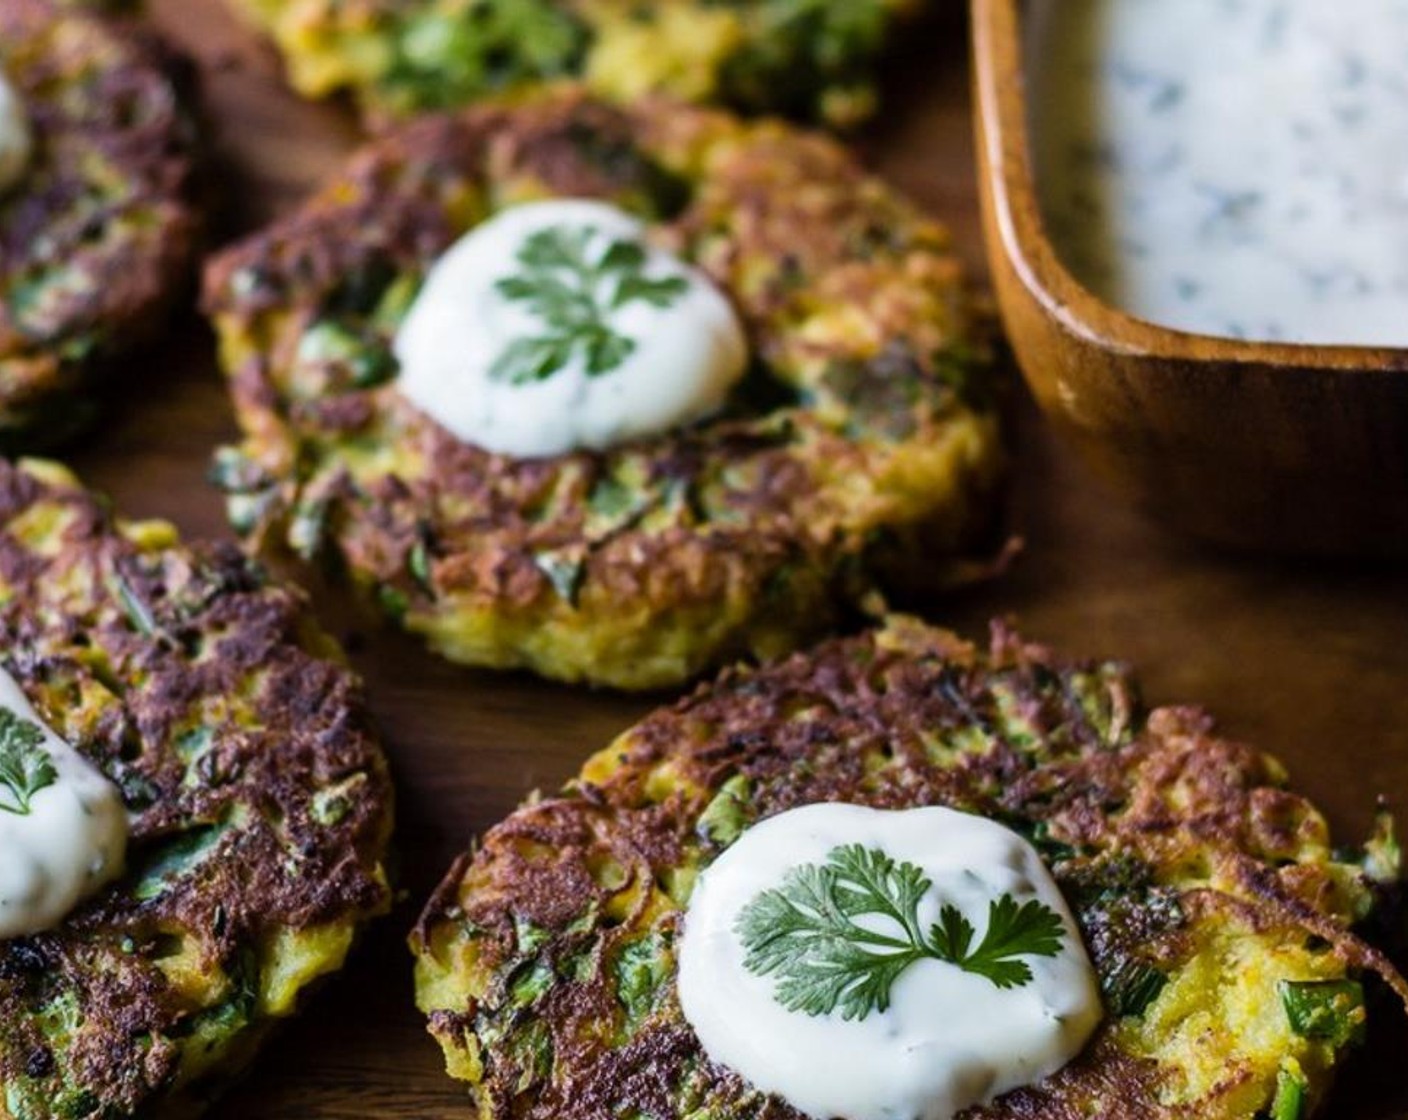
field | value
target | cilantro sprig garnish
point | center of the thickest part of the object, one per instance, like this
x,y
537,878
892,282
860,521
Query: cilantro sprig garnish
x,y
807,934
574,295
25,767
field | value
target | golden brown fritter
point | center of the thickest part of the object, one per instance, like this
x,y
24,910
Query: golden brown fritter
x,y
259,800
813,59
97,238
863,441
1217,917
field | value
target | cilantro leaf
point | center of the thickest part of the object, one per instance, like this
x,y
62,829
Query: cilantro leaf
x,y
25,767
1032,929
606,350
953,935
807,934
573,294
530,359
623,256
657,293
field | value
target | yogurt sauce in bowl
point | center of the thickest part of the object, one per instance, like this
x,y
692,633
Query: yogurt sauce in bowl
x,y
1236,168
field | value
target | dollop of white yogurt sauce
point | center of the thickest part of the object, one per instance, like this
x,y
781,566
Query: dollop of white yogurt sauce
x,y
685,352
1229,167
71,842
16,139
950,1039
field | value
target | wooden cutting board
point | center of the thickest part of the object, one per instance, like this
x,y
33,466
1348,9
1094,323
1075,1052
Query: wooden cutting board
x,y
1308,660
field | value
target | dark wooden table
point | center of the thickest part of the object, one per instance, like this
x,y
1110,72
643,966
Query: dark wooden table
x,y
1307,660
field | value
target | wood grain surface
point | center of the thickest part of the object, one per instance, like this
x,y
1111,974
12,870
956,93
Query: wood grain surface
x,y
1310,661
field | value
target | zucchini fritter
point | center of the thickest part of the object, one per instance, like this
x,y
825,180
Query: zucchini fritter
x,y
863,439
1214,911
812,59
259,801
98,237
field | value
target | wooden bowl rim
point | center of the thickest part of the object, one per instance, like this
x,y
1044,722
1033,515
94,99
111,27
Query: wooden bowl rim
x,y
999,77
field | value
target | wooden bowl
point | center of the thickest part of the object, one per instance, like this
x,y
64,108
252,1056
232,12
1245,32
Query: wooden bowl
x,y
1284,447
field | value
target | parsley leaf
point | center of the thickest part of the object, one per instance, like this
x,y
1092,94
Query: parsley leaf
x,y
807,934
25,767
573,295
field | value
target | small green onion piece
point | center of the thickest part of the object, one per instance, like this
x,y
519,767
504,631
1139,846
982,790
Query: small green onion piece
x,y
137,611
1132,987
393,600
564,571
418,562
1289,1102
1325,1010
726,816
1383,855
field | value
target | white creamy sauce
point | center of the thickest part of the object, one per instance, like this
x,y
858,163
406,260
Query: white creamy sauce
x,y
678,355
16,140
72,840
950,1038
1229,167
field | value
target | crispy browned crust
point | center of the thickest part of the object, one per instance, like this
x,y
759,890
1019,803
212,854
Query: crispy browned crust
x,y
866,434
814,61
1156,830
98,239
260,800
